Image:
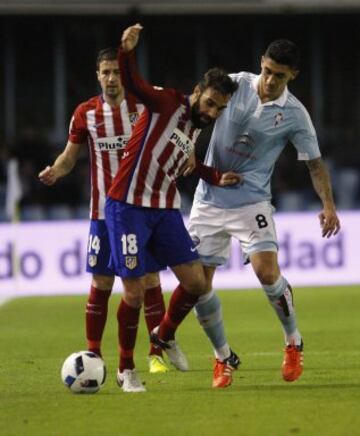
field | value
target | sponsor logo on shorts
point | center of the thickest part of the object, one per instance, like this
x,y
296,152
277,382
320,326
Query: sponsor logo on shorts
x,y
131,262
112,143
196,243
92,260
182,141
195,240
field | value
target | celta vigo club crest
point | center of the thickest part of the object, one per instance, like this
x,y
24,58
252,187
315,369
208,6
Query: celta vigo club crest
x,y
131,262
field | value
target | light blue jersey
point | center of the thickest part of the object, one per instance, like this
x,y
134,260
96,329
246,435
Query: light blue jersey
x,y
248,139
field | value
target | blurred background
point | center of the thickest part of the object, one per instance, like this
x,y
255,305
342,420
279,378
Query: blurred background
x,y
48,51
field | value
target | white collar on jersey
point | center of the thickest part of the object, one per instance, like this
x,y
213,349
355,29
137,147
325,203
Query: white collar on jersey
x,y
280,101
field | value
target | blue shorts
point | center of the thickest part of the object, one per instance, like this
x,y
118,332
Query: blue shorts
x,y
142,238
98,249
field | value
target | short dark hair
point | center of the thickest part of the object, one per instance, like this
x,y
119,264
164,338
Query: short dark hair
x,y
284,52
106,54
218,79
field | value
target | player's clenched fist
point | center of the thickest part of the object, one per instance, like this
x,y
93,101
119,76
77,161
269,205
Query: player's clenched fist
x,y
130,37
47,176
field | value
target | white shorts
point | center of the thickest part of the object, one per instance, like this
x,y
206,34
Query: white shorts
x,y
211,228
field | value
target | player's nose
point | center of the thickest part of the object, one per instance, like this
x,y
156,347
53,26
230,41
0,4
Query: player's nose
x,y
213,113
270,80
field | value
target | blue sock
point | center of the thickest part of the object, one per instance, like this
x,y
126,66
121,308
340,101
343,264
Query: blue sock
x,y
209,313
281,298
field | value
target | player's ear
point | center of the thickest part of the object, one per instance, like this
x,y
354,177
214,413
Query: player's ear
x,y
197,91
294,74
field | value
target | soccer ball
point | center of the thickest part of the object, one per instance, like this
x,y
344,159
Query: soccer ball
x,y
83,372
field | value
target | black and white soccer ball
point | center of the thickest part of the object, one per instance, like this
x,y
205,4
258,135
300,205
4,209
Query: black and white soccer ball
x,y
83,372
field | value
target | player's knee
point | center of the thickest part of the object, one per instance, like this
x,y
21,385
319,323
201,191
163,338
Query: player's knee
x,y
103,283
267,277
197,285
152,280
133,292
133,299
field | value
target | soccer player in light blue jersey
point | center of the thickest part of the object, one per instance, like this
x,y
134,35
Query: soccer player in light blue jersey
x,y
260,120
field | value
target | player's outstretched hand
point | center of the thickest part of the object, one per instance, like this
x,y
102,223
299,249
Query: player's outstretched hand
x,y
230,178
329,222
130,37
47,176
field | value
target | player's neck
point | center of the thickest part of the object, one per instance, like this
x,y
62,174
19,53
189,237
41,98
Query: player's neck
x,y
262,94
116,100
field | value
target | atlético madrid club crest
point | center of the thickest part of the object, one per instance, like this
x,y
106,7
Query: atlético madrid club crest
x,y
92,259
131,262
133,117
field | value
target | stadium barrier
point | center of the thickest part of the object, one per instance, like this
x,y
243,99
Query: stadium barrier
x,y
48,258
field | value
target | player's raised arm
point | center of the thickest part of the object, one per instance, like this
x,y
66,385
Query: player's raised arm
x,y
156,99
130,37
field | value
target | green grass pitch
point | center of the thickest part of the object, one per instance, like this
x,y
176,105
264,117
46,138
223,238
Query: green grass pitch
x,y
38,333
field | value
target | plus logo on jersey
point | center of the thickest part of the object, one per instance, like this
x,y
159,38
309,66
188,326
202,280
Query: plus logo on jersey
x,y
182,141
278,119
111,143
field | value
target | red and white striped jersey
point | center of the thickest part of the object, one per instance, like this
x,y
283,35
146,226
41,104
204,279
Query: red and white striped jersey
x,y
106,130
162,140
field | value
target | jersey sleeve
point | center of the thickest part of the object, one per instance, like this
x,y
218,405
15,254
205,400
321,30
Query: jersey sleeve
x,y
304,136
154,98
209,174
78,131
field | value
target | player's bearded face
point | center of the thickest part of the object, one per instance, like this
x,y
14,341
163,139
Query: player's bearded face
x,y
198,118
207,107
109,78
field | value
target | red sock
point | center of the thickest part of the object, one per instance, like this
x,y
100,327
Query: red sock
x,y
181,302
95,318
154,311
128,321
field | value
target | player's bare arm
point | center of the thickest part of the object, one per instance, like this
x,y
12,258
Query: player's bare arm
x,y
329,220
63,164
130,37
230,178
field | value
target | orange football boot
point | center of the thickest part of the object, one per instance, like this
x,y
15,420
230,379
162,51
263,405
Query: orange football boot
x,y
292,366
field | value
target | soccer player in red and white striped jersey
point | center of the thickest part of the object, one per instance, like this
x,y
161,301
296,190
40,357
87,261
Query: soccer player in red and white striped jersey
x,y
104,123
144,223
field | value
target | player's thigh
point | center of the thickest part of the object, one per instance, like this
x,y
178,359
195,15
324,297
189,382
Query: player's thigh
x,y
207,230
253,226
191,277
128,235
98,253
170,242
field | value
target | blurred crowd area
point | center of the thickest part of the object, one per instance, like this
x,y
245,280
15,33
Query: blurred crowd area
x,y
54,70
